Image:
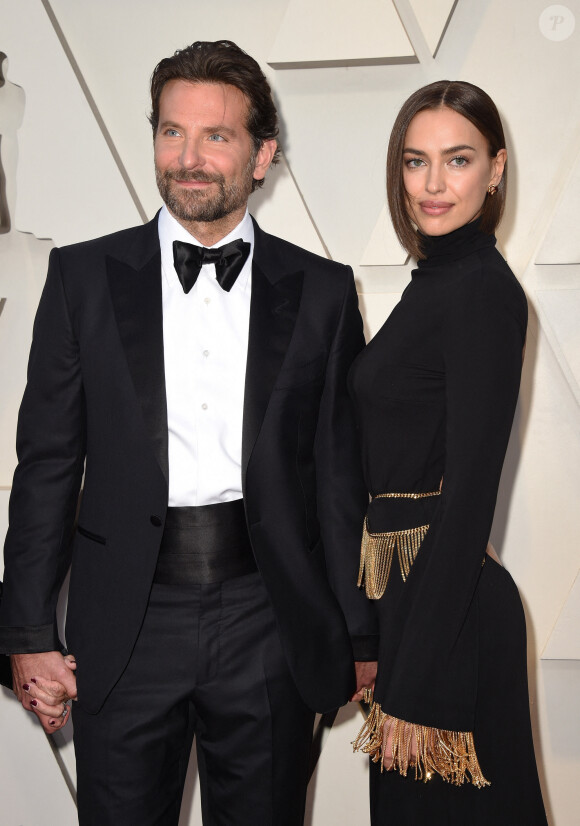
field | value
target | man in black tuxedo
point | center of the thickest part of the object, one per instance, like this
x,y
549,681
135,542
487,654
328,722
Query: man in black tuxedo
x,y
195,370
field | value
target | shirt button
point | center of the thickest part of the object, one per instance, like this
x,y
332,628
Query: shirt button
x,y
155,520
207,299
204,406
206,353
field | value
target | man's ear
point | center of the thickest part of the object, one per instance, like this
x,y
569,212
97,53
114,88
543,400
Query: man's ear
x,y
264,158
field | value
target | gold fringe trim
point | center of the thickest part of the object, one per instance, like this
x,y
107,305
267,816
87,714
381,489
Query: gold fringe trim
x,y
450,754
376,556
376,553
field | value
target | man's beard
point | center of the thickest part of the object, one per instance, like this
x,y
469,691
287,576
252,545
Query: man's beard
x,y
204,206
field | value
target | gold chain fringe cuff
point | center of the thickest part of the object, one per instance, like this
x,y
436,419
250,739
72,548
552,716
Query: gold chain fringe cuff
x,y
450,754
376,553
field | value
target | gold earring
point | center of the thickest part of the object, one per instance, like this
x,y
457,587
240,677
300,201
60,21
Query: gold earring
x,y
492,189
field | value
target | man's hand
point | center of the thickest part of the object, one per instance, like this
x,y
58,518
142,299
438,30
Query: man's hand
x,y
365,678
43,683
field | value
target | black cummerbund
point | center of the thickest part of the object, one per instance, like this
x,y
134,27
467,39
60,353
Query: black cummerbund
x,y
205,544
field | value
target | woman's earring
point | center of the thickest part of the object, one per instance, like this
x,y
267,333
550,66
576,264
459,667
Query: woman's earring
x,y
492,189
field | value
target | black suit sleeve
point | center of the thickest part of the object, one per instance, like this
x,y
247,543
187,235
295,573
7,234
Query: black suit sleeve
x,y
342,495
51,448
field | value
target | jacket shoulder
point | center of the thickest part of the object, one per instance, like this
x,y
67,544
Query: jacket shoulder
x,y
116,244
288,256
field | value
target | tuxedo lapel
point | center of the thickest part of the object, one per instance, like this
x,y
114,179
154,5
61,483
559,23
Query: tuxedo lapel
x,y
273,311
135,287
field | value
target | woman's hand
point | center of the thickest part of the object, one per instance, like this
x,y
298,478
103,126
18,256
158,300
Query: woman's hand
x,y
407,742
366,673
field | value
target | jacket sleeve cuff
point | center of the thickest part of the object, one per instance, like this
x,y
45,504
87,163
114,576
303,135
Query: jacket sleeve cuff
x,y
29,639
365,648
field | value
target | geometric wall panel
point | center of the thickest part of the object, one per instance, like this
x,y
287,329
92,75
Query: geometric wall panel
x,y
433,16
564,642
326,33
4,495
383,248
560,313
30,755
344,780
375,308
280,210
562,241
65,168
23,260
11,115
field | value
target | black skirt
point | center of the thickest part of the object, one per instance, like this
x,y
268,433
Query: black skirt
x,y
502,733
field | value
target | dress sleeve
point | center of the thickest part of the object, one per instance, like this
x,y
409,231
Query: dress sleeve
x,y
432,655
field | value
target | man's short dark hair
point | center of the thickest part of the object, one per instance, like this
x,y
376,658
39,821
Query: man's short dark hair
x,y
221,62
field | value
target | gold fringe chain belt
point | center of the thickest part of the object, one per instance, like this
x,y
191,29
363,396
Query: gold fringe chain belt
x,y
376,553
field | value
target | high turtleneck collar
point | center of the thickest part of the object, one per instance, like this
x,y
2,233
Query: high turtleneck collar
x,y
440,249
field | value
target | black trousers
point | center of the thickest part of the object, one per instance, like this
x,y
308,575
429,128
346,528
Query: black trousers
x,y
208,662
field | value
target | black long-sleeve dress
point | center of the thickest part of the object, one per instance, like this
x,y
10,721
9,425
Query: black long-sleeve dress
x,y
435,393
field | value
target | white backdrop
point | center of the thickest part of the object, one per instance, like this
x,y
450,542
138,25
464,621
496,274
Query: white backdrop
x,y
75,153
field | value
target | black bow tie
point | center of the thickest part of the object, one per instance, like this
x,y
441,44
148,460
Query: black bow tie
x,y
229,260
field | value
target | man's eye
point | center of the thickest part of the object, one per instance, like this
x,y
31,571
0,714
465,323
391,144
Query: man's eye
x,y
172,133
216,138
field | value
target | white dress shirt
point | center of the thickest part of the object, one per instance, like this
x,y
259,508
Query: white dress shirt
x,y
205,343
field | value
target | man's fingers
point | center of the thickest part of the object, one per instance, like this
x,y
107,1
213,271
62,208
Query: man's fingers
x,y
43,674
48,691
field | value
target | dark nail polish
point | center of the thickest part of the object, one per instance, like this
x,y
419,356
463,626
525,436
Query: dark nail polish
x,y
33,703
32,680
26,687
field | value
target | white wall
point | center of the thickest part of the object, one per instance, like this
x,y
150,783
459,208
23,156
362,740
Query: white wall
x,y
76,153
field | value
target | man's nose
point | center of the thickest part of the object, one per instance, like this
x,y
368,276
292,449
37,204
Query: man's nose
x,y
191,155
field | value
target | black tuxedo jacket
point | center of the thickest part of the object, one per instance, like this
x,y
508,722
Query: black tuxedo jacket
x,y
95,402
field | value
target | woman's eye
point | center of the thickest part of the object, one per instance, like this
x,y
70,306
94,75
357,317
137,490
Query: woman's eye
x,y
460,161
414,163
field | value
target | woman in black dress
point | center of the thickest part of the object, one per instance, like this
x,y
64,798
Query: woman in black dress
x,y
449,730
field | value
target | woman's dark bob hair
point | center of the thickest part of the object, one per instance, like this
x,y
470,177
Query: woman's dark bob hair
x,y
475,105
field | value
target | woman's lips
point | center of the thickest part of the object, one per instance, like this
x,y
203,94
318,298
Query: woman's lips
x,y
435,207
